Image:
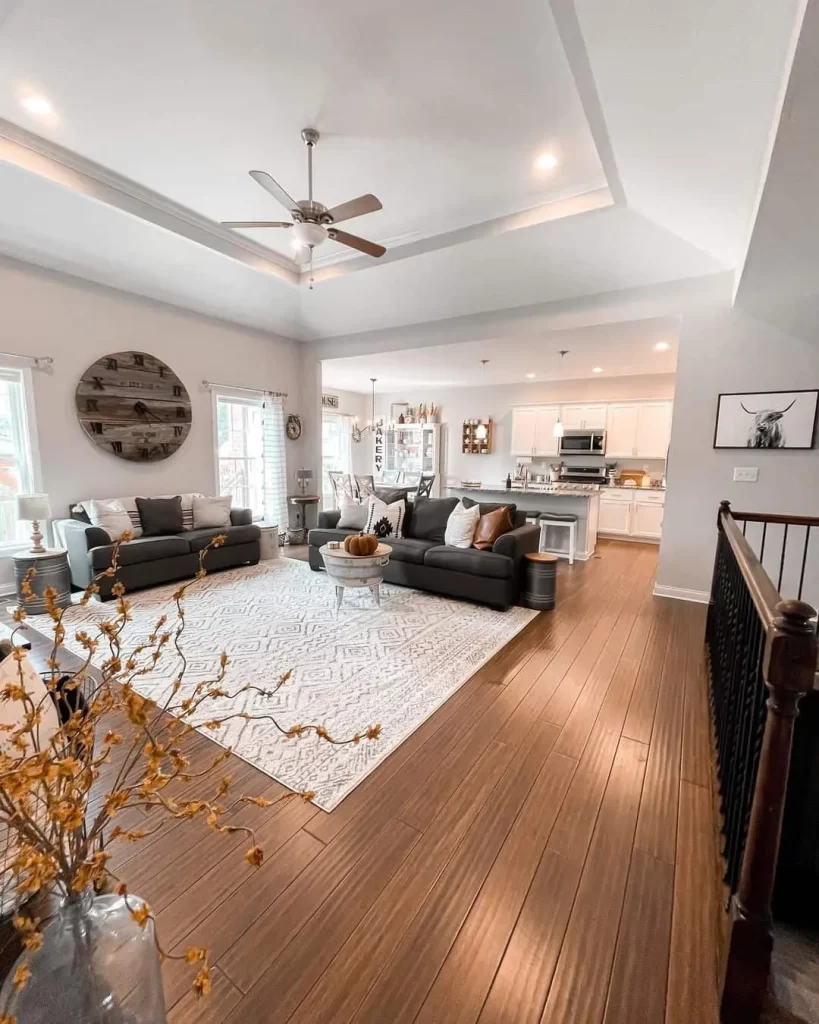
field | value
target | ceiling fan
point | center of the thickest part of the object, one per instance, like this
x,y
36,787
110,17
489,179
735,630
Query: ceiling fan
x,y
312,222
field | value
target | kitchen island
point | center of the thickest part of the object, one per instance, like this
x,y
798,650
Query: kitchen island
x,y
583,501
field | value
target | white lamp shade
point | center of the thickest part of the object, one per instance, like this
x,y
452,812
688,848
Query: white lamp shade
x,y
557,429
33,506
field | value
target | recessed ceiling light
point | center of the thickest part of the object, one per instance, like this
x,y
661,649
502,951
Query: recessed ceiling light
x,y
38,105
662,346
546,162
597,369
531,376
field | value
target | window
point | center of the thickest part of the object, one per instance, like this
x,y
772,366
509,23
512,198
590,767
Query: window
x,y
250,455
239,449
16,465
336,451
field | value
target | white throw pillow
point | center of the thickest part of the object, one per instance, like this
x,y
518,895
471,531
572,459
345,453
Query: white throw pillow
x,y
461,525
211,513
353,513
385,520
130,506
110,515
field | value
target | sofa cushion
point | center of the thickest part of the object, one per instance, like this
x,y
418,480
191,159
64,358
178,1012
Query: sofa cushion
x,y
319,536
198,539
211,513
429,518
409,549
160,516
143,549
353,513
389,495
491,506
385,521
470,561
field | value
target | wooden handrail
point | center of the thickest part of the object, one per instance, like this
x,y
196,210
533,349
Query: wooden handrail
x,y
788,670
764,593
774,517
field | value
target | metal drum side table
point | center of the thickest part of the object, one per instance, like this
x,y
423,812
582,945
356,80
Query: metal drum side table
x,y
540,580
297,534
52,571
269,542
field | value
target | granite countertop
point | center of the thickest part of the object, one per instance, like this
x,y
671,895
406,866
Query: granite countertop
x,y
563,491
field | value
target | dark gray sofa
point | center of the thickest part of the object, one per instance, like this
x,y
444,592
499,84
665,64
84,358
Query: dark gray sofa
x,y
420,559
147,561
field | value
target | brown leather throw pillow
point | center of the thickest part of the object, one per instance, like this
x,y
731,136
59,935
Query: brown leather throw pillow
x,y
491,526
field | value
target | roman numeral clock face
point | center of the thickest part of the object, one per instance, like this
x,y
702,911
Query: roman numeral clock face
x,y
132,405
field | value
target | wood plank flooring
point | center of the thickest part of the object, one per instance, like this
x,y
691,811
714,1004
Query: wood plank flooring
x,y
538,851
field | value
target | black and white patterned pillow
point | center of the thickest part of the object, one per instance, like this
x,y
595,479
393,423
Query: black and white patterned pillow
x,y
385,520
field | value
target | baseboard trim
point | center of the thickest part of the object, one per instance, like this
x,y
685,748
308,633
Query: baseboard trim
x,y
681,594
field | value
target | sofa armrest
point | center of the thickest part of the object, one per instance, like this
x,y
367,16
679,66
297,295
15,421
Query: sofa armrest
x,y
241,517
79,538
518,542
329,520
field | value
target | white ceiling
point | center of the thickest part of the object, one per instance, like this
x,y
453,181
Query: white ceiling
x,y
440,110
623,349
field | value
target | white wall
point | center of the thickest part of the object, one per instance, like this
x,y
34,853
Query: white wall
x,y
47,314
725,351
496,403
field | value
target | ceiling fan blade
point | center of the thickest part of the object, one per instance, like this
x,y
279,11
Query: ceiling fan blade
x,y
274,188
355,208
354,242
256,224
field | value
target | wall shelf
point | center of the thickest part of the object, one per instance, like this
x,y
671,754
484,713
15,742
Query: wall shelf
x,y
473,445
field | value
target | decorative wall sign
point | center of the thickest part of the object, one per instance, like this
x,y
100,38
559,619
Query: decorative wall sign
x,y
378,448
134,406
329,401
766,419
293,427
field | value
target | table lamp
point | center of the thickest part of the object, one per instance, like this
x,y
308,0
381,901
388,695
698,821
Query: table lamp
x,y
303,478
34,508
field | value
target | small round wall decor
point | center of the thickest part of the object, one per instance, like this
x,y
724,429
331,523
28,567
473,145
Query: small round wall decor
x,y
293,427
133,405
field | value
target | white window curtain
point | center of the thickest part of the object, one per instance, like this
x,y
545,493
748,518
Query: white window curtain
x,y
16,464
274,463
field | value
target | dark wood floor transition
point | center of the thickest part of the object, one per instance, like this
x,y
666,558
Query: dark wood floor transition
x,y
539,850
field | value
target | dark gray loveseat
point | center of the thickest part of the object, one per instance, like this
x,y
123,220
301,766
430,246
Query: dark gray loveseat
x,y
420,558
147,561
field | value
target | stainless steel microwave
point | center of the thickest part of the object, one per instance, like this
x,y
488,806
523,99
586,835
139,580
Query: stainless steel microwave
x,y
583,442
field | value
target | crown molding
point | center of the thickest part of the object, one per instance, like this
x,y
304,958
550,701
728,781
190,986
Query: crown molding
x,y
39,156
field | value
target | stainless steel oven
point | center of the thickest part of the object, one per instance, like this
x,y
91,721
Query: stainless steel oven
x,y
583,442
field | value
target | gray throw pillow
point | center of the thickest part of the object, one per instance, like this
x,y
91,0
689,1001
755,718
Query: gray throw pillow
x,y
212,513
429,518
160,516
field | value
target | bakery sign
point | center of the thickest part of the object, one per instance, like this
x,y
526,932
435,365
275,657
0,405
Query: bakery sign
x,y
329,401
378,448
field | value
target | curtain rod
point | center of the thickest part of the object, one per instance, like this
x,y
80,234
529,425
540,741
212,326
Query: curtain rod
x,y
39,362
234,387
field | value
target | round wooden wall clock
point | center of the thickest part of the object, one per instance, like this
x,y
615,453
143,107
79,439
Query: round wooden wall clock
x,y
133,405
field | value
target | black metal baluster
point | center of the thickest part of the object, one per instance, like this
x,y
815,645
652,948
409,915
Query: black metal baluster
x,y
782,559
804,562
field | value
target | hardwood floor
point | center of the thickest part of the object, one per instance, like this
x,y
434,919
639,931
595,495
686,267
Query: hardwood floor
x,y
541,849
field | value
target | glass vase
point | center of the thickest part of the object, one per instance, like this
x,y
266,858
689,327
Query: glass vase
x,y
96,966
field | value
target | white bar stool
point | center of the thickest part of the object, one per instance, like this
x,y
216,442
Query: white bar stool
x,y
548,519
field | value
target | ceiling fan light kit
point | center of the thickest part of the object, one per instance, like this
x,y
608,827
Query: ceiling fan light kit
x,y
313,223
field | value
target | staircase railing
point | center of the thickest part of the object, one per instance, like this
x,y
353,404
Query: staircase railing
x,y
763,659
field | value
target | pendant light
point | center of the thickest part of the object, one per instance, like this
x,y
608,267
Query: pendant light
x,y
481,430
557,429
359,432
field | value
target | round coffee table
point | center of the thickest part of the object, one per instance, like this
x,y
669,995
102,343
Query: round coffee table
x,y
346,570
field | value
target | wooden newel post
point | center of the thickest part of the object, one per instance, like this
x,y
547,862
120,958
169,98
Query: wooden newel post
x,y
789,668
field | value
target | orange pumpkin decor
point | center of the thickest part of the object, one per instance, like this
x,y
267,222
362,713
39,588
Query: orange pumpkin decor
x,y
361,544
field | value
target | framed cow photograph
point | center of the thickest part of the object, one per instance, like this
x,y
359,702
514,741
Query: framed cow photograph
x,y
766,419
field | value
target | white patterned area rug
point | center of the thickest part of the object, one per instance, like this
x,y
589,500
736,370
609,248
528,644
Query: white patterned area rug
x,y
393,665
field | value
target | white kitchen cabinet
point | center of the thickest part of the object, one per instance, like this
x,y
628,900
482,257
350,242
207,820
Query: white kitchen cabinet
x,y
615,516
583,417
545,440
638,430
524,425
621,430
653,430
533,430
646,519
